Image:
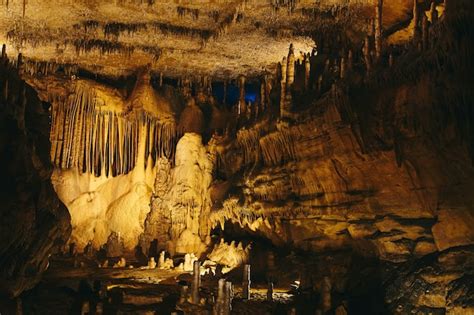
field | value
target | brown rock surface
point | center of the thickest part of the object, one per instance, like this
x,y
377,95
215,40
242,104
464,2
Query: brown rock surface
x,y
34,223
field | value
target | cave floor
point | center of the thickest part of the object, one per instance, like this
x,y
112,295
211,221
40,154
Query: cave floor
x,y
68,284
443,284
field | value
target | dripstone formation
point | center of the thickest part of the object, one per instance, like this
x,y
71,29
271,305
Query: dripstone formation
x,y
237,157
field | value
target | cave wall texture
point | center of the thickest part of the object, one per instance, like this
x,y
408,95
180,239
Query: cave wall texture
x,y
34,222
370,150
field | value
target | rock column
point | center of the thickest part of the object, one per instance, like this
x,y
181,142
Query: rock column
x,y
378,29
307,70
246,283
196,282
283,87
242,105
326,294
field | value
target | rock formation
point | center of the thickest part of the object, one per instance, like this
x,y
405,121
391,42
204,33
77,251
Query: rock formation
x,y
34,221
351,131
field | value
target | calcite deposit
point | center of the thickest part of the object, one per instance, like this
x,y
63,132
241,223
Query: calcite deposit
x,y
237,157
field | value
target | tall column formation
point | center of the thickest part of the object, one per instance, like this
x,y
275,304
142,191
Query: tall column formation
x,y
290,72
290,78
220,302
350,60
326,294
196,282
228,298
268,89
366,52
307,70
242,106
425,32
270,291
246,283
263,97
433,13
4,52
378,29
283,87
343,68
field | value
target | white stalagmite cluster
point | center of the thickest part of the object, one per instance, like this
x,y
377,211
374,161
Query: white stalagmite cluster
x,y
182,203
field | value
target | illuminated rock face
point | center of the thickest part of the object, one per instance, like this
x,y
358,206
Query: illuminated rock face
x,y
102,205
105,151
324,183
181,204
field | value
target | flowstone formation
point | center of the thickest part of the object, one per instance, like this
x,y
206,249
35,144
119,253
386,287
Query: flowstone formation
x,y
181,203
105,148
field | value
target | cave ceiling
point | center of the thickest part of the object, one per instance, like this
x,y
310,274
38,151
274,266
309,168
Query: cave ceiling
x,y
221,39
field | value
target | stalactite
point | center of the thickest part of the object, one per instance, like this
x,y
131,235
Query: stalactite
x,y
378,29
183,11
99,142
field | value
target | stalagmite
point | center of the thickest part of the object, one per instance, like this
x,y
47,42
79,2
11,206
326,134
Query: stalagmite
x,y
320,83
416,21
246,283
425,32
343,68
307,70
290,68
229,294
85,308
4,52
183,295
326,294
366,52
283,67
152,263
196,282
378,29
242,104
219,307
270,291
350,60
161,260
433,13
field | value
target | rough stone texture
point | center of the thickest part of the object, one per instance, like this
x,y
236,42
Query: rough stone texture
x,y
181,204
437,284
108,188
222,38
385,164
33,221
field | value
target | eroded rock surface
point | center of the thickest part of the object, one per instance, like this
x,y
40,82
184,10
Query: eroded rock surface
x,y
34,222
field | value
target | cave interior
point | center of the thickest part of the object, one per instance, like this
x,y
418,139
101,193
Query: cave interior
x,y
237,157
